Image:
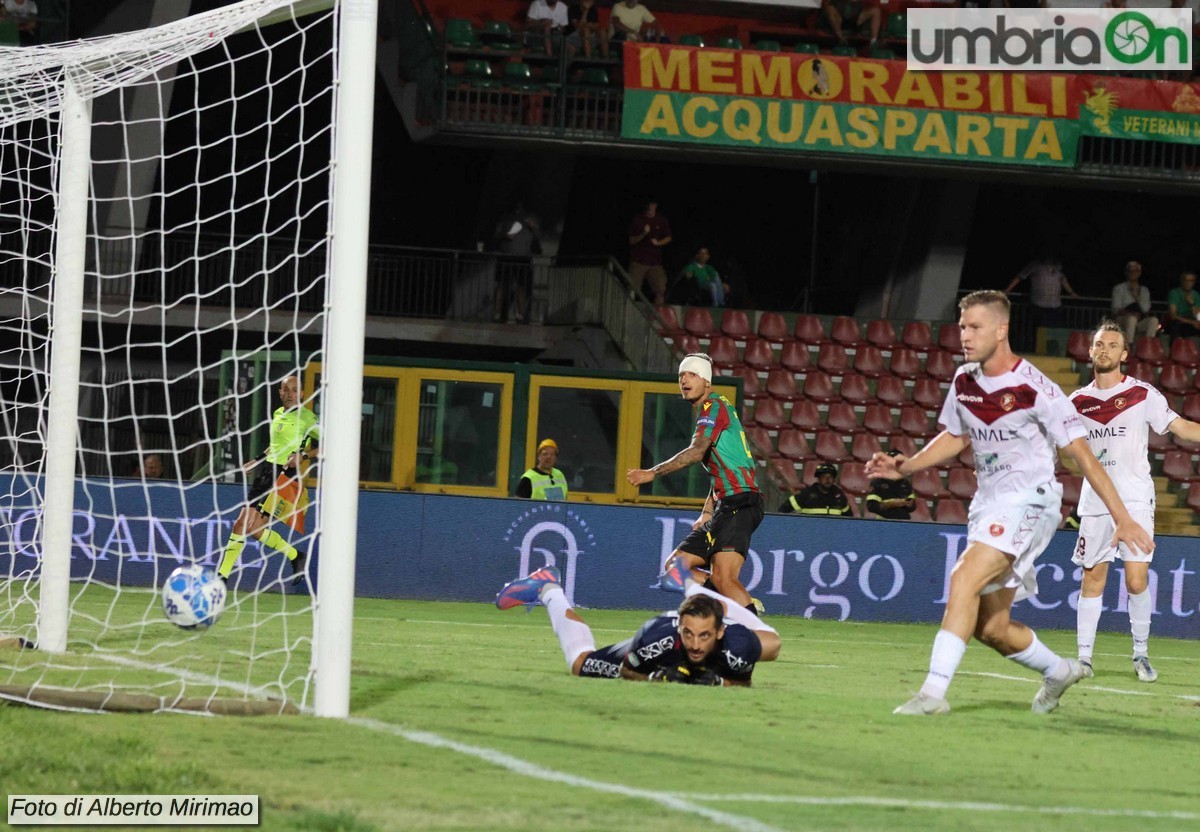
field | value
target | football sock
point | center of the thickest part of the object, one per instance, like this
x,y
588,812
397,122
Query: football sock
x,y
1041,658
1087,619
232,550
275,540
574,637
948,651
734,611
1140,609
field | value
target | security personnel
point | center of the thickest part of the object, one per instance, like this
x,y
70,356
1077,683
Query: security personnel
x,y
891,499
543,481
822,497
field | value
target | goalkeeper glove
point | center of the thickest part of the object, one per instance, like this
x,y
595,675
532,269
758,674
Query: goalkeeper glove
x,y
704,676
679,675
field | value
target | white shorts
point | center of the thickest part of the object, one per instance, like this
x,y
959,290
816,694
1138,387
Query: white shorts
x,y
1095,539
1021,530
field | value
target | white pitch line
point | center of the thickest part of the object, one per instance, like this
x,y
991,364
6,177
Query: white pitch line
x,y
528,769
941,805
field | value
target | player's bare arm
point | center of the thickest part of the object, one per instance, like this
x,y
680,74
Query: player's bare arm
x,y
1127,529
631,675
1185,429
706,513
944,446
690,455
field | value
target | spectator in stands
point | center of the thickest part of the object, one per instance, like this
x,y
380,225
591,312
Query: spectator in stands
x,y
649,233
859,13
1131,305
583,31
516,240
24,14
629,21
151,467
543,481
703,280
1183,306
546,21
822,497
891,499
1046,282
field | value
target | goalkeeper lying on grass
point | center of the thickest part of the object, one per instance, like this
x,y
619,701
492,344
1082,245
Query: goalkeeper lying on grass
x,y
710,640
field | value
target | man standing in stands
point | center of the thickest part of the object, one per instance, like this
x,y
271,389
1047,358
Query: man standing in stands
x,y
1046,284
543,481
1013,417
1118,412
1131,305
649,233
891,499
720,538
824,497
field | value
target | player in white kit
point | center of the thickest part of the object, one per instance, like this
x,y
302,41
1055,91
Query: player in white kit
x,y
1014,418
1118,412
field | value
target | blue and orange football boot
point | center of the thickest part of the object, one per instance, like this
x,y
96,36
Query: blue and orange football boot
x,y
527,590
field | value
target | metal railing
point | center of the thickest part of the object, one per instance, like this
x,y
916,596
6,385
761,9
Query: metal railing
x,y
547,109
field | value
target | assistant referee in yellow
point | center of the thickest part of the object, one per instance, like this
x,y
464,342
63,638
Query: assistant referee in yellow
x,y
295,436
543,481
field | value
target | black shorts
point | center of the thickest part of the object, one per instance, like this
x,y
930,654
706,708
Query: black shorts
x,y
729,529
265,475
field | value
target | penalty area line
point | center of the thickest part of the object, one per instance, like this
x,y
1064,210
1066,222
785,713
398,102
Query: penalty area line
x,y
524,768
941,805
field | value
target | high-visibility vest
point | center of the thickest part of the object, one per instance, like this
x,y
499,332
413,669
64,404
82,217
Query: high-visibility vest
x,y
552,486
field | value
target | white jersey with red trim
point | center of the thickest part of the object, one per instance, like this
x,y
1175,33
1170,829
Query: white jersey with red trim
x,y
1118,421
1015,421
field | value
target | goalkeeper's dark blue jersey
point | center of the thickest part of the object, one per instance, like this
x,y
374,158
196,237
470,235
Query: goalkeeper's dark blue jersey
x,y
658,646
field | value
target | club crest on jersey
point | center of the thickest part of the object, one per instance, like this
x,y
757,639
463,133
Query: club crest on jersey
x,y
1119,402
996,529
1008,401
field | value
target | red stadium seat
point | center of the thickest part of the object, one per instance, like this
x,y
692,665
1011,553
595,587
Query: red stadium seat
x,y
928,484
864,446
940,365
793,444
1142,370
878,420
906,363
1193,499
1151,351
856,390
1185,445
927,394
951,511
917,336
853,479
868,361
795,357
668,321
915,422
962,483
781,385
759,354
698,321
809,329
751,387
950,339
1184,351
809,475
845,331
806,416
921,511
903,443
1079,347
882,334
831,447
832,359
819,387
768,413
890,391
735,324
1191,407
966,457
1178,467
723,352
773,327
686,344
783,473
1159,443
1072,488
760,442
842,419
1174,379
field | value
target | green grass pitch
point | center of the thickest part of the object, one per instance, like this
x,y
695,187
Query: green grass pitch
x,y
464,718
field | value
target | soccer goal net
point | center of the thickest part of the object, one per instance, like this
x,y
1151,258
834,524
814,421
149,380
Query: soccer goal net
x,y
174,187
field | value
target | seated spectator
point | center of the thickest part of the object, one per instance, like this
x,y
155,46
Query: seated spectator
x,y
704,282
861,15
583,31
891,499
151,468
1131,305
547,21
630,21
1183,307
822,497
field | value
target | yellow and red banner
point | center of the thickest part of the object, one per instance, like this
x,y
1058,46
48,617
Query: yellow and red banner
x,y
826,103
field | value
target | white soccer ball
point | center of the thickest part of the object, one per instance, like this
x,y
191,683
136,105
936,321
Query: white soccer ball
x,y
193,597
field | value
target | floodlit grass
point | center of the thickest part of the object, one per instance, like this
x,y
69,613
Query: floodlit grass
x,y
540,750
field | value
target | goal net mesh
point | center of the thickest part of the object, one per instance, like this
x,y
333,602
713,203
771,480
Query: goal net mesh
x,y
208,218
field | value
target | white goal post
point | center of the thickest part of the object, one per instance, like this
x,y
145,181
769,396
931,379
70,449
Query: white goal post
x,y
177,205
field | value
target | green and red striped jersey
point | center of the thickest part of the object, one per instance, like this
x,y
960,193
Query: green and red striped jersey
x,y
728,459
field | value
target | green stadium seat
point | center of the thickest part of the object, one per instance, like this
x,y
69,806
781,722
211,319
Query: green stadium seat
x,y
844,51
883,53
551,74
499,35
806,48
479,74
768,46
594,76
897,25
691,40
729,43
519,76
460,33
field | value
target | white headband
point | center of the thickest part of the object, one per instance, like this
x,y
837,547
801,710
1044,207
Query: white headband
x,y
696,364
